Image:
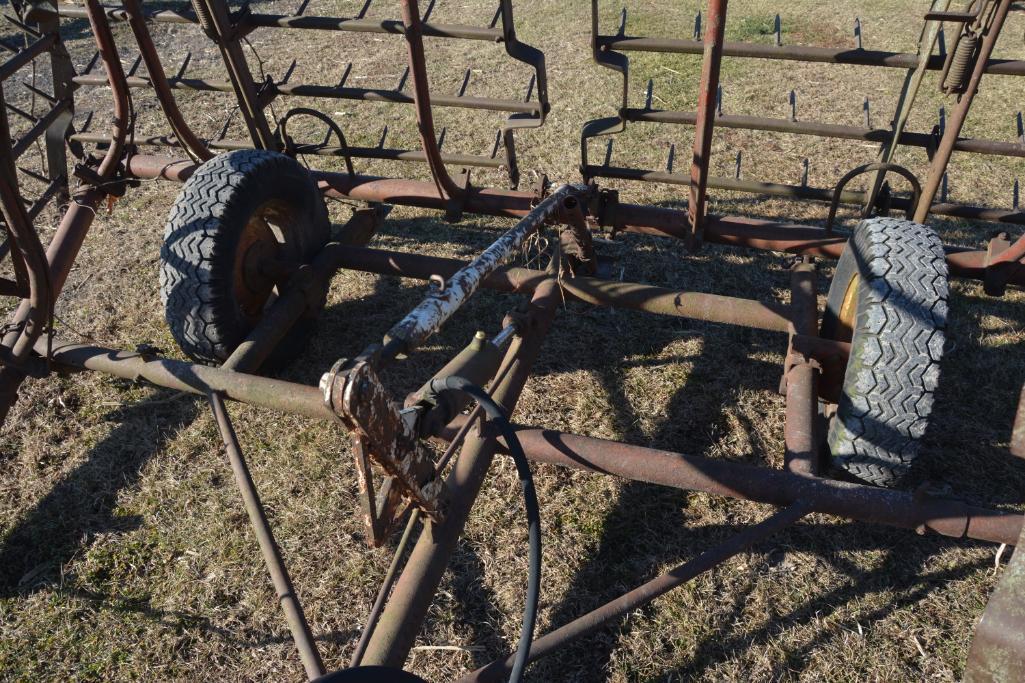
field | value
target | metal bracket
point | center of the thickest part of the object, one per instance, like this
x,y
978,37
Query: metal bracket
x,y
385,434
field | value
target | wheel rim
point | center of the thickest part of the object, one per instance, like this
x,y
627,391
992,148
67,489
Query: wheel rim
x,y
848,312
259,247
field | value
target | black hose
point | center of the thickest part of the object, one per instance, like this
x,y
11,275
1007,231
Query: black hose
x,y
497,417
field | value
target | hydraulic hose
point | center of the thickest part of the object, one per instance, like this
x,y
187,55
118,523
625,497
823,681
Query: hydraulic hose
x,y
498,418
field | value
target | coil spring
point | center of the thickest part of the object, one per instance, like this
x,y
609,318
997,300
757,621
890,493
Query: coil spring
x,y
961,64
206,22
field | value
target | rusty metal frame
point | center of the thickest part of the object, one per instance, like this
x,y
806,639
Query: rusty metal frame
x,y
390,434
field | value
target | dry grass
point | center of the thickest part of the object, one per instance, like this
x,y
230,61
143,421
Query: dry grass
x,y
124,550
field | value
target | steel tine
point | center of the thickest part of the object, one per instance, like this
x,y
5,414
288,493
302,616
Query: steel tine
x,y
441,137
943,121
185,65
1015,195
941,41
35,176
288,73
402,81
736,171
647,97
135,66
793,105
671,159
24,27
497,145
224,128
943,188
302,8
1021,128
363,10
608,153
20,112
384,136
697,26
804,172
622,22
87,122
530,87
857,33
718,101
866,107
92,63
777,29
498,15
345,74
45,95
427,12
466,82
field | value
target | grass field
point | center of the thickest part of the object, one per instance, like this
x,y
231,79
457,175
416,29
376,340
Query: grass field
x,y
125,552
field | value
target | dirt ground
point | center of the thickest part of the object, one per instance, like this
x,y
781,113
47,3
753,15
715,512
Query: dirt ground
x,y
125,552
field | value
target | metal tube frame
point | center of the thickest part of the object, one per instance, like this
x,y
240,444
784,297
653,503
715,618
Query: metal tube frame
x,y
798,487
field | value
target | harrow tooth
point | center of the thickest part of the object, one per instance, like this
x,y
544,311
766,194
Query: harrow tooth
x,y
736,171
87,122
943,188
441,137
498,15
671,159
24,27
288,72
866,108
793,105
134,68
1015,195
428,11
942,126
941,42
302,8
777,30
497,145
1020,124
857,34
530,87
364,9
345,75
608,153
184,65
804,172
466,82
42,93
384,136
20,112
35,176
697,26
622,22
718,101
91,64
648,94
402,80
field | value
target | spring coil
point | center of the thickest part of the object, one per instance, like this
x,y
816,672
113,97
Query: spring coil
x,y
206,21
961,64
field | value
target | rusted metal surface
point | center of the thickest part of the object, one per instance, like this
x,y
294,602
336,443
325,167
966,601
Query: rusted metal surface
x,y
714,37
389,434
764,485
297,624
990,28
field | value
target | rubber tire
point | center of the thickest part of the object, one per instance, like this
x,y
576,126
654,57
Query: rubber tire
x,y
197,259
896,346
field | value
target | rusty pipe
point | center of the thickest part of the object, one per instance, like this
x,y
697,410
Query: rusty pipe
x,y
764,485
413,31
137,21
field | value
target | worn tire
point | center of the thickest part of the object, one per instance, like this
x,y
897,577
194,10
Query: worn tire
x,y
209,309
896,336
